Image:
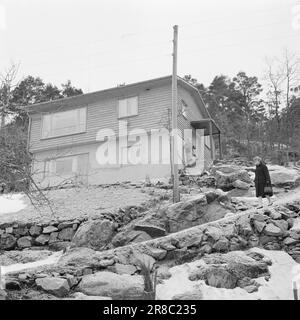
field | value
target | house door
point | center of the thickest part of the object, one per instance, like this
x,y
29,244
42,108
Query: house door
x,y
198,151
83,168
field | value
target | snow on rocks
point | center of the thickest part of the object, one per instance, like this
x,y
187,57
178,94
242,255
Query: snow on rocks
x,y
113,285
81,296
191,278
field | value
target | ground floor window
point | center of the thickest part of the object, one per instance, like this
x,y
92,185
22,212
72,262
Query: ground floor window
x,y
74,165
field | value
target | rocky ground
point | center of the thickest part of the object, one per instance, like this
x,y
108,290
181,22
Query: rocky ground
x,y
71,203
215,243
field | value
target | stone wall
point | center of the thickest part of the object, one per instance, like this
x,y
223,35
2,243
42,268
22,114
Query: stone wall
x,y
54,234
57,234
274,229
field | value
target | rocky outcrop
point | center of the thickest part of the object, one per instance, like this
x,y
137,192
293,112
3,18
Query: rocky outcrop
x,y
231,270
261,275
272,229
254,228
196,210
81,257
112,285
283,177
186,214
226,178
191,211
95,234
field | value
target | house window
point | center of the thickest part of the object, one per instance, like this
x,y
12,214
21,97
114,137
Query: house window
x,y
184,108
63,123
67,166
128,107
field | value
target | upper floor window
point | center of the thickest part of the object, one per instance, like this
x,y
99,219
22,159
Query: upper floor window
x,y
63,123
128,107
184,108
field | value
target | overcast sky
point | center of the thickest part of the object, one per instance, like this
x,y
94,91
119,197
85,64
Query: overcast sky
x,y
99,44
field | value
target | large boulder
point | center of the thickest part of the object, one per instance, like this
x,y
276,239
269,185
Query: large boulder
x,y
79,257
225,180
281,176
229,270
109,284
240,185
186,214
219,277
57,286
95,234
124,268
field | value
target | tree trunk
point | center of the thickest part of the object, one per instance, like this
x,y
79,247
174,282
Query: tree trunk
x,y
2,123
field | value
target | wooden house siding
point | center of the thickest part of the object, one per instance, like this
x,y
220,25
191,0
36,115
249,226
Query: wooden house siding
x,y
193,112
153,105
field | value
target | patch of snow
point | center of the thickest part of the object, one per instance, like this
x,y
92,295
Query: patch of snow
x,y
53,259
11,203
280,285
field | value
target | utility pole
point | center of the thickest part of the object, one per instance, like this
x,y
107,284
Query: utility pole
x,y
173,137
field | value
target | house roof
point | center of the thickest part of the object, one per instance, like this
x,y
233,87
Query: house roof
x,y
88,98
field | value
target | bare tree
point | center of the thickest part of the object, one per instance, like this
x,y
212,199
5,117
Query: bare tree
x,y
290,70
281,76
7,84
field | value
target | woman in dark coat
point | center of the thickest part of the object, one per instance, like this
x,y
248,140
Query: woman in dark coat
x,y
262,180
